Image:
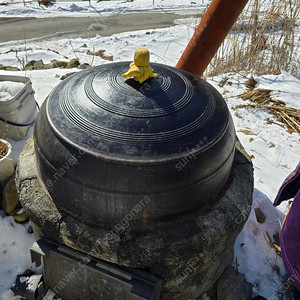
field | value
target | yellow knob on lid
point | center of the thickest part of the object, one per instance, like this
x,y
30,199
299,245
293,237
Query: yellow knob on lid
x,y
140,69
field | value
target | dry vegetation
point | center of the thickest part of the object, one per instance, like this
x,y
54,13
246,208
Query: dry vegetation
x,y
101,53
3,149
262,41
261,98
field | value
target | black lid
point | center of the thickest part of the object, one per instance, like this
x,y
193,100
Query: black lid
x,y
106,115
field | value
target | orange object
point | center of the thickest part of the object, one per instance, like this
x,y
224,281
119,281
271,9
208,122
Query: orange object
x,y
45,2
284,220
209,35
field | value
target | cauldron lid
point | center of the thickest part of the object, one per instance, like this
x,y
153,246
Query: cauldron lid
x,y
101,113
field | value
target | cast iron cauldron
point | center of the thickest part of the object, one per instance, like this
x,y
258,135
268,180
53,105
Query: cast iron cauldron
x,y
103,143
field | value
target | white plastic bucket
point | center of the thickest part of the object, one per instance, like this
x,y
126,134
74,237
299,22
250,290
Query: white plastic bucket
x,y
6,164
18,114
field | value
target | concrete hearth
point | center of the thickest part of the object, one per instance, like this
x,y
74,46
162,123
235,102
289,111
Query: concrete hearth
x,y
189,253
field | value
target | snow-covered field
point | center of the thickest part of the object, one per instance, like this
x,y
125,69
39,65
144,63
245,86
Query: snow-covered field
x,y
102,8
274,151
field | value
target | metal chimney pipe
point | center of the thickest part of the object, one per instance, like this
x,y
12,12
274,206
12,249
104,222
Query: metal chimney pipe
x,y
209,35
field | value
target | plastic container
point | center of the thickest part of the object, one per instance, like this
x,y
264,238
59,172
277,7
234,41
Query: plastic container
x,y
18,114
6,164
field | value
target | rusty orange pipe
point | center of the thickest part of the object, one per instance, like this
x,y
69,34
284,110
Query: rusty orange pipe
x,y
209,35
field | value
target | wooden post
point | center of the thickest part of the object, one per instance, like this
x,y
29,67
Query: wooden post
x,y
209,35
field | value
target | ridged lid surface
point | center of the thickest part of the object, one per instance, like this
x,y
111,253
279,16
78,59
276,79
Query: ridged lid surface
x,y
115,118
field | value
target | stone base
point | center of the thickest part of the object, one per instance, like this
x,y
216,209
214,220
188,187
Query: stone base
x,y
189,253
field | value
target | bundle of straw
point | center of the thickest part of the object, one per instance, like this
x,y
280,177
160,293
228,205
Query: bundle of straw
x,y
261,98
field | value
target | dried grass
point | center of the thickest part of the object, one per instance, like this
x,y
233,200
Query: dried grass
x,y
273,244
101,54
261,98
3,149
262,41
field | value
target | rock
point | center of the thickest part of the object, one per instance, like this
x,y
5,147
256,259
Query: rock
x,y
10,197
59,63
34,65
260,216
8,68
37,231
73,63
12,69
67,75
28,68
84,66
48,66
29,64
223,81
233,286
21,218
189,253
38,65
250,83
30,230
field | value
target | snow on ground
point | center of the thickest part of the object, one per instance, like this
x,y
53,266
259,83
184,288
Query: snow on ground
x,y
18,56
101,8
15,243
284,87
275,154
165,45
254,257
274,151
